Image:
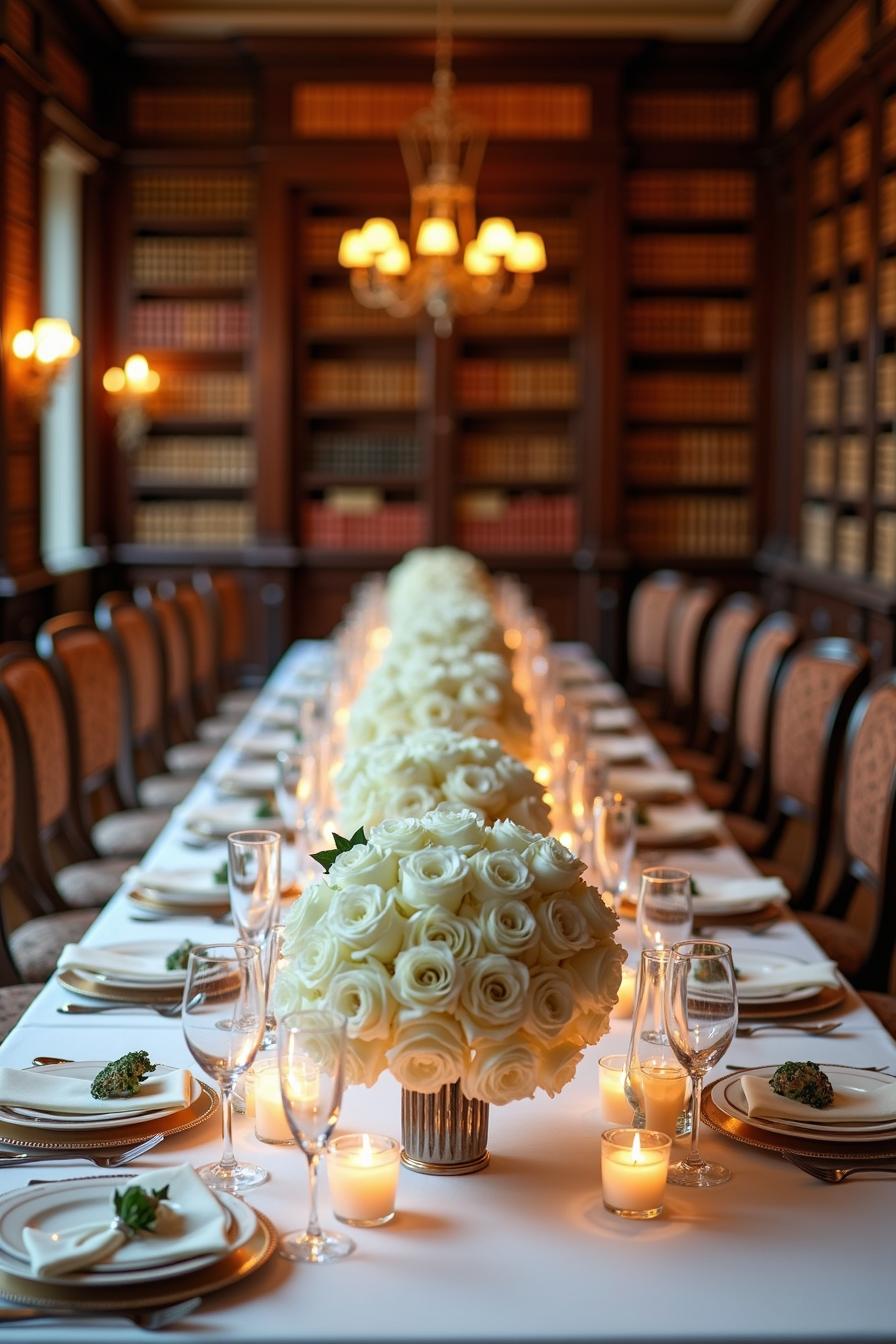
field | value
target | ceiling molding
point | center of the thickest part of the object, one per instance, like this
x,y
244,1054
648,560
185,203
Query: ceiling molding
x,y
674,20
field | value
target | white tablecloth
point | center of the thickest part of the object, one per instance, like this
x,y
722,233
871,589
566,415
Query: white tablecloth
x,y
525,1249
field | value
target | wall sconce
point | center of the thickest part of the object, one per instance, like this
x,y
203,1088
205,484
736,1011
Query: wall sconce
x,y
43,353
127,390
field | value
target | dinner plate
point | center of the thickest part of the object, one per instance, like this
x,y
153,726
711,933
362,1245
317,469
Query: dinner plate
x,y
771,910
150,947
753,1137
182,884
251,778
113,1120
218,821
88,1200
264,746
149,903
728,1095
61,1135
752,966
276,715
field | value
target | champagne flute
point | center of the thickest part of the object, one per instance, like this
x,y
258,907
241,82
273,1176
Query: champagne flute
x,y
271,953
253,877
701,1017
665,906
614,841
224,1047
311,1056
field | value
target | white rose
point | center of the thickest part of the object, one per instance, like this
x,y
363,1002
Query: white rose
x,y
365,921
508,927
397,763
362,864
290,994
506,834
552,1002
591,1026
437,926
427,1052
602,920
414,801
518,779
501,1072
493,997
432,709
482,751
363,995
563,926
455,824
557,1065
305,913
552,865
427,979
435,876
317,959
481,696
399,835
476,786
499,875
531,813
364,1062
598,971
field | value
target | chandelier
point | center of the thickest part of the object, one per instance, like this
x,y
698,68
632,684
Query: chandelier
x,y
448,268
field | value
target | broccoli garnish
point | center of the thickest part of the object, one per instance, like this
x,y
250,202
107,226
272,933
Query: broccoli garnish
x,y
137,1208
122,1077
804,1082
265,809
177,960
220,875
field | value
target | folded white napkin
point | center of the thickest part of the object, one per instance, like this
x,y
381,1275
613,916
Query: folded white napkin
x,y
613,720
195,883
679,826
60,1094
798,976
239,815
266,745
848,1106
276,716
131,965
647,785
189,1223
614,750
251,776
594,696
721,895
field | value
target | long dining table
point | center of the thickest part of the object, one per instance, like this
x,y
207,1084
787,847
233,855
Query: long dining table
x,y
523,1250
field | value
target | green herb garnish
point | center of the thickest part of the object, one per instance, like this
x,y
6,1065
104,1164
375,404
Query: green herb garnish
x,y
122,1078
177,960
138,1208
220,875
327,857
265,809
695,890
642,816
804,1082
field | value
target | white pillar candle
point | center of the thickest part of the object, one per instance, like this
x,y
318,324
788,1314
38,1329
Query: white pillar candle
x,y
634,1166
362,1170
614,1105
664,1087
270,1119
626,1001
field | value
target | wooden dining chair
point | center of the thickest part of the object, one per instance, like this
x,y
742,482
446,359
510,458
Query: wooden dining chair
x,y
649,612
94,692
184,755
199,626
233,641
812,700
867,824
689,624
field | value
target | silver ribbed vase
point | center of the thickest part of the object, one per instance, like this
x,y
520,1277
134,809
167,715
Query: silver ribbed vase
x,y
443,1133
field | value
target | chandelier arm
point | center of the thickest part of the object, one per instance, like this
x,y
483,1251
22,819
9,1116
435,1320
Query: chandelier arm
x,y
518,293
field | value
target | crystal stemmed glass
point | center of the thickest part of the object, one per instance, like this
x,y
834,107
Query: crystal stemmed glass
x,y
614,841
225,1046
665,906
270,953
701,1017
311,1055
253,877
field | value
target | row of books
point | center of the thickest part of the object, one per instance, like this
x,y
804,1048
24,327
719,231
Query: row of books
x,y
690,195
855,234
193,262
380,383
492,382
823,180
885,467
692,260
696,397
855,154
334,308
361,454
840,51
823,332
887,226
191,114
226,195
850,476
194,523
550,310
517,457
689,325
850,544
191,324
888,129
491,521
200,459
884,554
886,387
853,395
787,102
203,395
689,456
391,526
723,114
690,525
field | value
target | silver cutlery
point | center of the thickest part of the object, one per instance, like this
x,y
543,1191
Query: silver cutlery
x,y
835,1175
865,1068
144,1320
163,1009
100,1157
755,1028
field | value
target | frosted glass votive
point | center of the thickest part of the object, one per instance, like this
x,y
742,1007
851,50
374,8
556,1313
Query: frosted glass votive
x,y
634,1165
615,1106
362,1170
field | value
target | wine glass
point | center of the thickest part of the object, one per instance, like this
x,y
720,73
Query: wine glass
x,y
665,906
311,1055
224,1047
271,952
701,1017
614,841
253,877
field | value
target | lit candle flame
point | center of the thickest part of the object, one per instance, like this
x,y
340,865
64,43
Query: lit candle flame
x,y
365,1157
636,1150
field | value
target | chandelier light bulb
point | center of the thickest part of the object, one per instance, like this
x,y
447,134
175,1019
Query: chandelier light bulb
x,y
23,344
437,237
114,380
353,252
136,370
477,262
396,260
496,236
53,340
527,254
378,235
152,381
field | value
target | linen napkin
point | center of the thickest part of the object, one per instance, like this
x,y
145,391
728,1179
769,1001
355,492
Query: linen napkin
x,y
799,976
276,716
239,815
647,785
266,745
127,965
614,719
601,695
59,1094
616,750
191,883
191,1222
679,826
724,895
251,777
847,1108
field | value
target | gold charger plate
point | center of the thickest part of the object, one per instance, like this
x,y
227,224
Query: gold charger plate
x,y
627,909
95,987
826,998
231,1269
742,1132
60,1140
157,905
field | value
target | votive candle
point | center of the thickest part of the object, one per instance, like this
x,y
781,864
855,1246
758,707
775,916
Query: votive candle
x,y
614,1105
362,1170
664,1090
634,1165
271,1125
626,1000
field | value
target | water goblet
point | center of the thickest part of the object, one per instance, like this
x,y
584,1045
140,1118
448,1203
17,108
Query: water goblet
x,y
224,1047
701,1018
311,1056
665,906
614,841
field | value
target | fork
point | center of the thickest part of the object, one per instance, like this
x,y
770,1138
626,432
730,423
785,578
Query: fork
x,y
792,1027
163,1009
865,1068
100,1157
144,1320
833,1175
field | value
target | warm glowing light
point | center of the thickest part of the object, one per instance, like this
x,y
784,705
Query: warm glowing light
x,y
365,1156
152,381
353,252
396,260
512,638
136,370
636,1149
23,344
53,340
479,262
543,774
381,637
496,236
437,237
527,254
379,235
114,380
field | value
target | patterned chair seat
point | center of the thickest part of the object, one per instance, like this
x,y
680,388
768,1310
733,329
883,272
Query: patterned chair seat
x,y
884,1007
37,944
165,790
217,730
14,999
839,940
699,763
188,758
716,793
234,704
91,883
748,832
128,834
668,735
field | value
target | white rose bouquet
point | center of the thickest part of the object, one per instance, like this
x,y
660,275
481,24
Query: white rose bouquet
x,y
488,961
433,572
440,771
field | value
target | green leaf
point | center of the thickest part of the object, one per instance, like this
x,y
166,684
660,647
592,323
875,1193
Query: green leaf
x,y
220,875
265,809
695,890
136,1208
327,857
